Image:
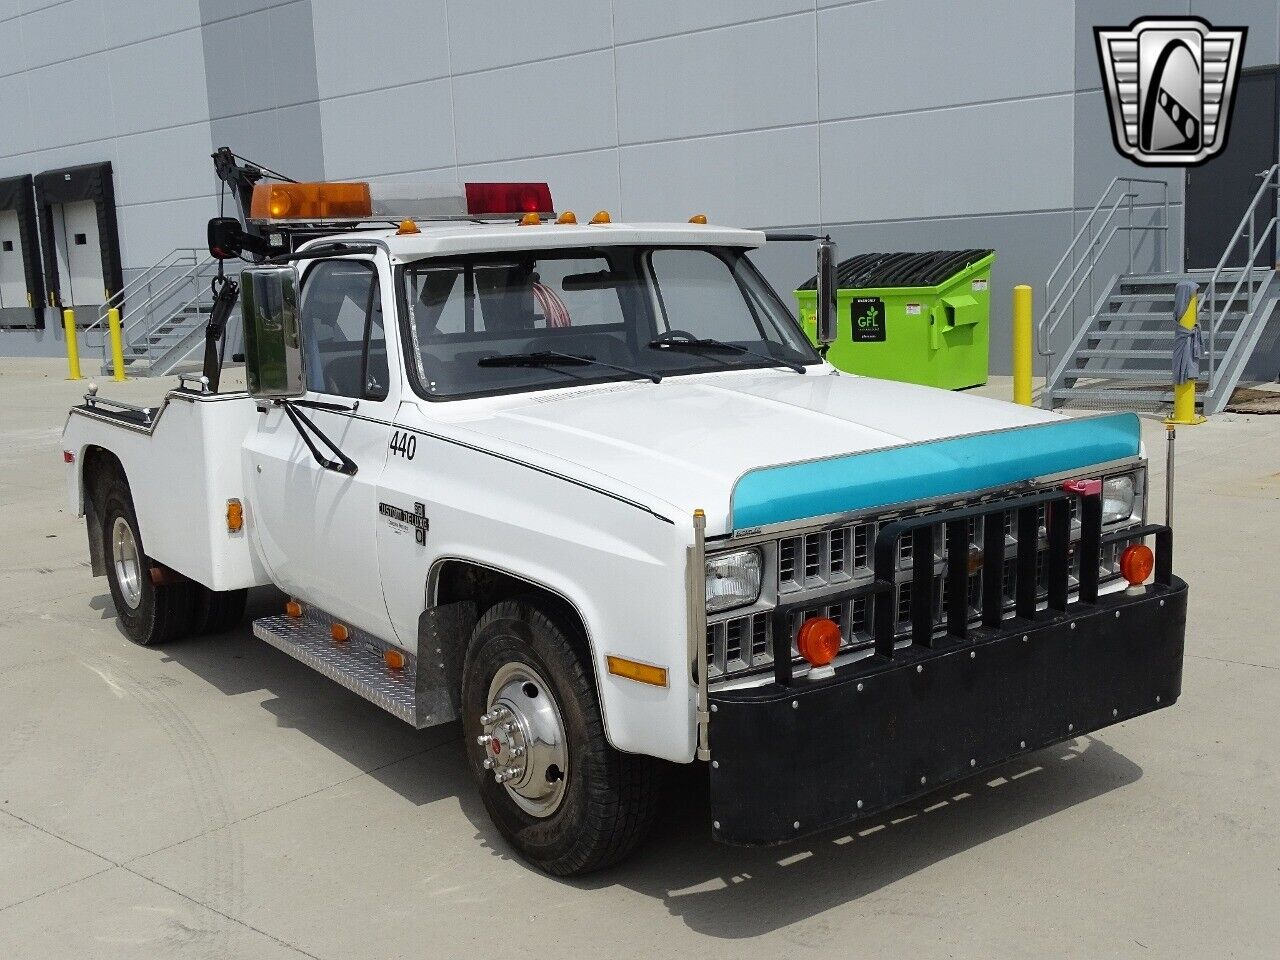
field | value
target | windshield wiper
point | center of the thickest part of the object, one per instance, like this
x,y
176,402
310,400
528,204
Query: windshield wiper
x,y
553,358
709,345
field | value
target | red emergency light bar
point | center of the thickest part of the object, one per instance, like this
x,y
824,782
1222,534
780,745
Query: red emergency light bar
x,y
495,199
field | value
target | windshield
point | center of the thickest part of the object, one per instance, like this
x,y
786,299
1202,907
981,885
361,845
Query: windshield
x,y
561,317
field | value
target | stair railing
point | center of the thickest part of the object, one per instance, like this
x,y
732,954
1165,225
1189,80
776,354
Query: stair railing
x,y
1246,227
1061,291
177,258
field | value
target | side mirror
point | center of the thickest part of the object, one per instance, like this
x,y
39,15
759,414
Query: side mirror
x,y
225,241
826,291
272,341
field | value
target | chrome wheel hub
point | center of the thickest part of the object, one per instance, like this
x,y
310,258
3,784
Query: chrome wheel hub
x,y
127,562
524,741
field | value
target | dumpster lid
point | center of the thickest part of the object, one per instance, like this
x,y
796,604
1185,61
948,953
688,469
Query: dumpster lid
x,y
909,269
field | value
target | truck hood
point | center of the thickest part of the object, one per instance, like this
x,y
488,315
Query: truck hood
x,y
687,440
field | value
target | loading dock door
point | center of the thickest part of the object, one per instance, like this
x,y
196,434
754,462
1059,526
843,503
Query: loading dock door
x,y
13,281
78,237
79,253
21,279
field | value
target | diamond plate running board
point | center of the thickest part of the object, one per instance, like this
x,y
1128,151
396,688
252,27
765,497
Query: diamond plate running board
x,y
357,663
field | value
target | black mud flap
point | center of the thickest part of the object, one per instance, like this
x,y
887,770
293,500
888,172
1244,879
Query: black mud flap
x,y
788,760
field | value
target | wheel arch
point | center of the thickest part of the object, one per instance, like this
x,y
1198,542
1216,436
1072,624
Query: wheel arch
x,y
98,466
461,580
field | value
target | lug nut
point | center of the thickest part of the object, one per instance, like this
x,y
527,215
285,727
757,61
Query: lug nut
x,y
488,763
486,719
517,751
483,740
510,727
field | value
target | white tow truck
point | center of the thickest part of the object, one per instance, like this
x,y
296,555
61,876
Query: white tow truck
x,y
589,489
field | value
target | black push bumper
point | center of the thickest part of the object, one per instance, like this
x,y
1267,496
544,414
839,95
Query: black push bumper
x,y
796,756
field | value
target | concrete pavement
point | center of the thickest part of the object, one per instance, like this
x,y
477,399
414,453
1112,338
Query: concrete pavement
x,y
214,798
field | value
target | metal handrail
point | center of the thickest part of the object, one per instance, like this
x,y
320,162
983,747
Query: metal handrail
x,y
1048,322
1269,182
153,296
1085,265
172,259
194,298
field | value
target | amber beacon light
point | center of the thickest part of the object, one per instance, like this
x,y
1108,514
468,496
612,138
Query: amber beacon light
x,y
311,201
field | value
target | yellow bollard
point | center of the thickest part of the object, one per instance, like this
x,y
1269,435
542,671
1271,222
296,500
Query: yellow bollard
x,y
73,347
117,344
1022,344
1184,394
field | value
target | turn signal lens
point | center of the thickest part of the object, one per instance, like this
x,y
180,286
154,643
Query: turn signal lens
x,y
293,609
395,659
340,633
602,217
235,515
1136,563
642,672
818,640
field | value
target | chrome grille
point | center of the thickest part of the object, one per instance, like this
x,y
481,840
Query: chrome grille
x,y
810,567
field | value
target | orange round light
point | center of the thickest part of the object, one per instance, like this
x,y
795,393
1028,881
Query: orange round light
x,y
818,640
567,217
395,659
1136,563
602,216
293,609
339,632
530,220
700,218
407,228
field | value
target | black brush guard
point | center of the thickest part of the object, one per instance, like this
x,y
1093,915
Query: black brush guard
x,y
798,755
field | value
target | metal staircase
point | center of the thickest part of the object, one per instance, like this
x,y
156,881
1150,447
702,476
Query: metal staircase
x,y
1120,354
163,313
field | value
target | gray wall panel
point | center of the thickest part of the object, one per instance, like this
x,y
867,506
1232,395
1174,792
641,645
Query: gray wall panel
x,y
134,20
15,116
558,106
746,179
170,164
989,158
72,101
645,19
735,78
407,42
410,128
149,231
300,141
140,101
495,33
64,32
930,53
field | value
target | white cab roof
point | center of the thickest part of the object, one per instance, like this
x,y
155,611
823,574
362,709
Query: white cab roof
x,y
460,237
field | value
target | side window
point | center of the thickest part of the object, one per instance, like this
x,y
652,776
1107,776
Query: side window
x,y
344,342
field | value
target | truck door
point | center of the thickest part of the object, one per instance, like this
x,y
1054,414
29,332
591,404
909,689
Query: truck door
x,y
316,526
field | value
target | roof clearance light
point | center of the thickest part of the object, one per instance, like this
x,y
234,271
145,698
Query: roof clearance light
x,y
700,218
310,201
602,217
530,220
568,217
407,227
508,198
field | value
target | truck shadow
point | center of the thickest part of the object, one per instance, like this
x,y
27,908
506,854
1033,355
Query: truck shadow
x,y
724,892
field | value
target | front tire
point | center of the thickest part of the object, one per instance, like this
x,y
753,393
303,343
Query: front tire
x,y
148,613
568,807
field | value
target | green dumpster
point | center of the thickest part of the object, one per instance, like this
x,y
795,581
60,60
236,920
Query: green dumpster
x,y
916,317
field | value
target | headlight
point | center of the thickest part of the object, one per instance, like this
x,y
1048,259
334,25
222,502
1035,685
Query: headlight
x,y
733,580
1118,498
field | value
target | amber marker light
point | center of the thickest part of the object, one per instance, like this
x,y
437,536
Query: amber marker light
x,y
602,216
530,220
568,217
640,672
293,609
339,632
235,515
698,218
818,640
395,659
407,228
1136,563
